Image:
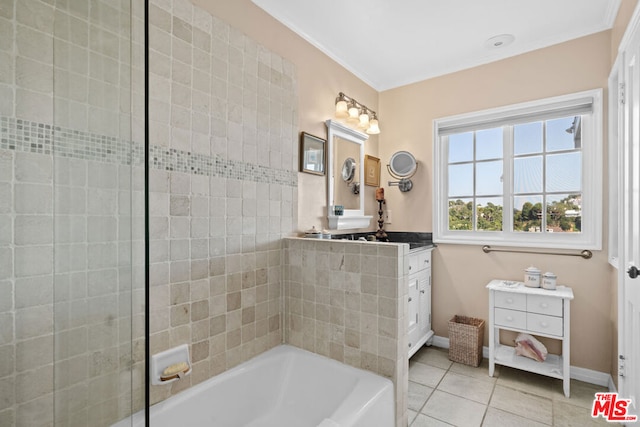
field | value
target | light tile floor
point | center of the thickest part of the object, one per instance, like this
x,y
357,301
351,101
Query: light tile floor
x,y
444,393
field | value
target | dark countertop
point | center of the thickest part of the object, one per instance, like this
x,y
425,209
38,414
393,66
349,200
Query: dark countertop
x,y
413,238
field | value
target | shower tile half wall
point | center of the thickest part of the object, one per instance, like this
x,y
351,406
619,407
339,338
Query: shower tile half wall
x,y
347,300
224,135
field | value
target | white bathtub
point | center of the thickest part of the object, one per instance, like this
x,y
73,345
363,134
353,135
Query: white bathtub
x,y
283,387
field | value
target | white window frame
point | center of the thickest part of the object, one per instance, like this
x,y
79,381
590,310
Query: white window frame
x,y
592,168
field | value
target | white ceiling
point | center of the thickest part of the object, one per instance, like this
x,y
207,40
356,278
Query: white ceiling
x,y
390,43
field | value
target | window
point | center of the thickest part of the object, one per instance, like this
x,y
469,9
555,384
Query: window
x,y
524,175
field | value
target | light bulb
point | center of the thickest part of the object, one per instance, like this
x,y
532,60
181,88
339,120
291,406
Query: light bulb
x,y
353,112
341,108
373,129
364,119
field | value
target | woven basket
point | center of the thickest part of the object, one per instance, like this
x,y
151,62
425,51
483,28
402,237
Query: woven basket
x,y
465,340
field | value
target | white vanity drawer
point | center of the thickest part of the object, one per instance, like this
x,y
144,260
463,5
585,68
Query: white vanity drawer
x,y
419,261
550,325
424,260
544,305
413,263
511,300
510,318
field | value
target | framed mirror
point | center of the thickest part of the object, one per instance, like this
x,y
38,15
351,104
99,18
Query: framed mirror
x,y
345,171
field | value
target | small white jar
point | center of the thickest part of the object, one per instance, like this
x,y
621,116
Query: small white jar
x,y
549,281
532,277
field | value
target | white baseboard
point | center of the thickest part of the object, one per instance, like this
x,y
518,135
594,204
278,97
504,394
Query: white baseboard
x,y
590,376
442,342
581,374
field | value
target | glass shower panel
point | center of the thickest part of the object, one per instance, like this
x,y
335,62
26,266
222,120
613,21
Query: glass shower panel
x,y
98,213
71,212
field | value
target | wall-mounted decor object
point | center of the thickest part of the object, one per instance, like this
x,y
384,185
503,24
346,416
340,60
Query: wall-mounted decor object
x,y
312,154
402,166
349,173
371,171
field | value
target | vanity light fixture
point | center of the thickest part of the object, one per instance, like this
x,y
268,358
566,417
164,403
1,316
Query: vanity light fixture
x,y
355,112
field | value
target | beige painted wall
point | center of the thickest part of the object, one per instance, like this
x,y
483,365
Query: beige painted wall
x,y
620,25
406,115
460,272
319,81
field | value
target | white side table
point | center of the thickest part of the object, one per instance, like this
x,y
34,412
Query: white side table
x,y
535,311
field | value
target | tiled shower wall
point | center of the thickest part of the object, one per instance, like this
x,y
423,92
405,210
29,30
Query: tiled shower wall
x,y
223,193
223,189
347,300
72,290
71,304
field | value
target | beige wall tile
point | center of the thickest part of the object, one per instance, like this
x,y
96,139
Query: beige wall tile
x,y
34,76
6,289
35,14
344,317
34,411
32,384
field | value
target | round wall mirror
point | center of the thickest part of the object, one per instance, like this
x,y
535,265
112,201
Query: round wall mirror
x,y
348,170
403,164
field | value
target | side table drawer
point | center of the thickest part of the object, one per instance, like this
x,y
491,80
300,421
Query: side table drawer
x,y
510,318
544,305
511,300
544,324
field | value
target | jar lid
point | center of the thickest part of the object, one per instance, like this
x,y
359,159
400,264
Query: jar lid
x,y
549,274
533,270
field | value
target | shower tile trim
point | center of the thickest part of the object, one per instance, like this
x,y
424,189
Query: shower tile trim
x,y
40,138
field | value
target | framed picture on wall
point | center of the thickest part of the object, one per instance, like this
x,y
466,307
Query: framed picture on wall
x,y
371,171
312,151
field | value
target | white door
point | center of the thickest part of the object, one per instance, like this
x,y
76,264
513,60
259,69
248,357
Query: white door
x,y
629,289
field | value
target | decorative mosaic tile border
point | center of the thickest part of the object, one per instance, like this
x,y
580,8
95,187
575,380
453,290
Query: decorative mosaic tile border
x,y
32,137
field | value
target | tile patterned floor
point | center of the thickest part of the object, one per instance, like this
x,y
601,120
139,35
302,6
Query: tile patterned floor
x,y
444,393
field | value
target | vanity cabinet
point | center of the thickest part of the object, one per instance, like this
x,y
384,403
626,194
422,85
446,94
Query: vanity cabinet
x,y
536,311
419,313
